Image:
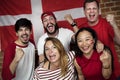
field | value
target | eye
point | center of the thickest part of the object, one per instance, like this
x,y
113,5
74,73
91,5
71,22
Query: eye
x,y
45,20
87,39
51,18
54,47
46,49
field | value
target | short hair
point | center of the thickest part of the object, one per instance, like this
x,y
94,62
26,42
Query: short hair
x,y
93,34
89,1
23,22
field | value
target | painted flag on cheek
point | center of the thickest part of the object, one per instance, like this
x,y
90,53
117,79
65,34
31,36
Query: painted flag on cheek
x,y
12,10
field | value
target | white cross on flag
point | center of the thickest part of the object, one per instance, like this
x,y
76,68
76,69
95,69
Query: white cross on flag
x,y
12,10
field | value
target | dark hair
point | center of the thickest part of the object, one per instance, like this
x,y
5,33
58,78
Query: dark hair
x,y
23,22
93,34
89,1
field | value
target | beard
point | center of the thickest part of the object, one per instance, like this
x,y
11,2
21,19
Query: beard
x,y
26,41
56,28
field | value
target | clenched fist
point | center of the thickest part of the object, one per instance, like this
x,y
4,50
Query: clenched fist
x,y
105,58
69,18
110,18
19,54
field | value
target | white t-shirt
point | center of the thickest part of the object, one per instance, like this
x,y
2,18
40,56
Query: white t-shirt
x,y
64,36
26,65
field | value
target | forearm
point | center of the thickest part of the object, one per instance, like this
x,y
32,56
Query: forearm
x,y
117,35
13,66
75,29
106,72
81,77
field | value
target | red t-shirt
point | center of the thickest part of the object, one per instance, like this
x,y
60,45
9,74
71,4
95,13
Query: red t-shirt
x,y
105,34
92,68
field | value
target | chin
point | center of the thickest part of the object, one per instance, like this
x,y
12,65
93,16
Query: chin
x,y
25,42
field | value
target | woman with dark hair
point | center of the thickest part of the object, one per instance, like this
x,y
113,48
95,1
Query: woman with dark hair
x,y
90,64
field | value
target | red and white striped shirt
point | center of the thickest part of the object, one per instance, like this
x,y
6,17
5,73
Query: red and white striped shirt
x,y
45,74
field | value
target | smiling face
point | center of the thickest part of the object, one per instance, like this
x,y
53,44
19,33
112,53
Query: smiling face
x,y
52,52
50,24
92,12
85,42
23,35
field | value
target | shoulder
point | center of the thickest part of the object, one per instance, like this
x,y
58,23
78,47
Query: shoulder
x,y
65,29
31,44
103,21
11,45
71,54
43,37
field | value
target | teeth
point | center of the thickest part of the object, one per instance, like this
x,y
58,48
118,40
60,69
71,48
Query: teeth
x,y
85,48
52,57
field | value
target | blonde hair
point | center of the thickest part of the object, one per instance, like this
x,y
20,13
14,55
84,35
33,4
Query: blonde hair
x,y
62,52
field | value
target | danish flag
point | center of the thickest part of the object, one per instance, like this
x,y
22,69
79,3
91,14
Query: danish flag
x,y
12,10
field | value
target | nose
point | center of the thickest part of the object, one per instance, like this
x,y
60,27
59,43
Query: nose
x,y
24,31
91,10
48,21
84,43
50,50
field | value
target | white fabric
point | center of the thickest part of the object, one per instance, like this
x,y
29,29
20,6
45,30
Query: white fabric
x,y
64,36
44,74
26,65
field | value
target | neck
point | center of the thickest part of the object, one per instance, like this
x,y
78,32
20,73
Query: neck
x,y
18,42
93,23
54,66
88,55
55,34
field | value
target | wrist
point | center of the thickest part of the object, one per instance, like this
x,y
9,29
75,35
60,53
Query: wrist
x,y
73,24
106,67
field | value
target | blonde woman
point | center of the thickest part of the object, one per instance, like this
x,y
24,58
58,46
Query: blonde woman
x,y
58,65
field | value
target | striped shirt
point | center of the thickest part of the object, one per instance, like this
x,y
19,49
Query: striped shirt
x,y
45,74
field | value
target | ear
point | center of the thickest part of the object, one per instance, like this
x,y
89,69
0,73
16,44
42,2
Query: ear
x,y
16,34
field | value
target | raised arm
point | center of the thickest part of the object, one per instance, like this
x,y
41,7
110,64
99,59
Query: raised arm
x,y
70,20
106,60
111,20
18,55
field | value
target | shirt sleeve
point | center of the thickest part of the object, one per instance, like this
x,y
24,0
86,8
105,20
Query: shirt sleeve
x,y
8,57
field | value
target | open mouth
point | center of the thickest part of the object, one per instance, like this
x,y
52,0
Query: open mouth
x,y
52,57
92,16
25,37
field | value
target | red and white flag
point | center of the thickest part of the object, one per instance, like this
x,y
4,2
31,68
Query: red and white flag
x,y
11,10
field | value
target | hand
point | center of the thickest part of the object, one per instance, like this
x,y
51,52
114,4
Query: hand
x,y
19,54
99,46
110,18
69,18
105,58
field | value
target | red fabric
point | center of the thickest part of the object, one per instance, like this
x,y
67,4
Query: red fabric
x,y
8,57
105,35
92,68
14,7
58,5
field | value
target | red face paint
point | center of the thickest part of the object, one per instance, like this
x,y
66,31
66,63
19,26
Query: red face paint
x,y
91,41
